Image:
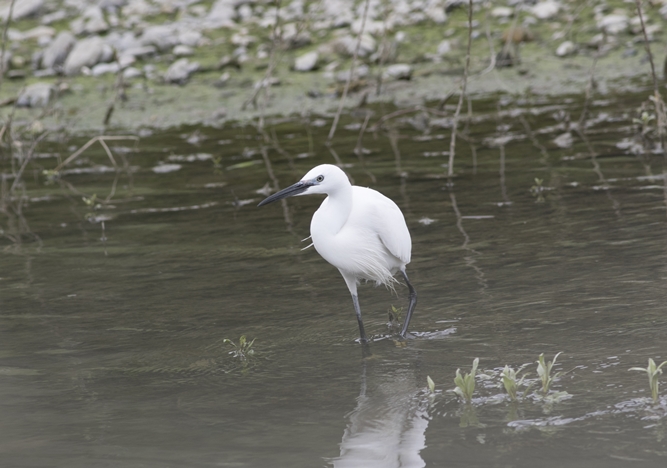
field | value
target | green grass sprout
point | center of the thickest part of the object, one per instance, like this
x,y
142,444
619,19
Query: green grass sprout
x,y
512,383
465,384
653,372
243,350
544,372
431,384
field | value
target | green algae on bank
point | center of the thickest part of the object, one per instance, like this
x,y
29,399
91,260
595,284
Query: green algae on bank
x,y
83,106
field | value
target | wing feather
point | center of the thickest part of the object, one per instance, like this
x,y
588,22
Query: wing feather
x,y
386,219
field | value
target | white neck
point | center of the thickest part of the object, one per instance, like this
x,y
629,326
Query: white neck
x,y
334,211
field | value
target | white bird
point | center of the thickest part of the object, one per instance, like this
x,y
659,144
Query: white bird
x,y
358,230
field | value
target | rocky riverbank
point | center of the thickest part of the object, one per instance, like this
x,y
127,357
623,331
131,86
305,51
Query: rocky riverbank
x,y
157,63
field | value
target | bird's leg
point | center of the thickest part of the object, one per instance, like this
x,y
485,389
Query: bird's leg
x,y
357,309
411,305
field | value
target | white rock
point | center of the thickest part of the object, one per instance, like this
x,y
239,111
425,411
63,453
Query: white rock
x,y
398,71
306,62
502,12
140,52
126,60
139,8
346,45
371,27
360,72
86,53
56,53
57,15
190,38
122,41
183,51
131,72
96,26
337,12
566,48
222,15
94,20
597,40
162,36
165,168
35,95
39,32
22,9
180,71
546,9
444,47
436,12
104,68
614,23
564,140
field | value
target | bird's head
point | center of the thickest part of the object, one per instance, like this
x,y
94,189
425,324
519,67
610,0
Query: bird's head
x,y
325,178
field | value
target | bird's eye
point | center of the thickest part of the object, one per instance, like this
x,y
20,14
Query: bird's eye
x,y
320,178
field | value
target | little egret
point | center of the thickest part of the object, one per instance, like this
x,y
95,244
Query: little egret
x,y
358,230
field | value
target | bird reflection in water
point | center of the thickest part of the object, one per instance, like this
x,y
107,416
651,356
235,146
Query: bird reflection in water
x,y
387,429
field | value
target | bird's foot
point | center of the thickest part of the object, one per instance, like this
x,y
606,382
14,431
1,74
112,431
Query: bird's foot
x,y
407,336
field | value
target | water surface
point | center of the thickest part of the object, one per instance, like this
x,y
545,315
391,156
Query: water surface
x,y
113,317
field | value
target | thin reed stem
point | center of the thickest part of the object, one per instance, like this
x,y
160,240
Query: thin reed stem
x,y
464,84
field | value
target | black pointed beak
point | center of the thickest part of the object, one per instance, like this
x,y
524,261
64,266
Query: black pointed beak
x,y
290,191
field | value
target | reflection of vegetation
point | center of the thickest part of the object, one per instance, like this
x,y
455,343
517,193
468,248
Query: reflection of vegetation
x,y
394,323
465,384
538,190
653,371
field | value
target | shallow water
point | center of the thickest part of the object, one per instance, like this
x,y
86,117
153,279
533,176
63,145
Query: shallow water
x,y
113,317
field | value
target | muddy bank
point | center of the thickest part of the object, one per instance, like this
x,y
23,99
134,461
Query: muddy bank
x,y
175,63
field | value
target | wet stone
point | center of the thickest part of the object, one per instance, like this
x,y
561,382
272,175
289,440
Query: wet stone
x,y
23,9
182,51
35,95
360,72
614,23
162,36
56,53
546,9
87,53
104,68
179,72
306,62
222,14
566,48
398,71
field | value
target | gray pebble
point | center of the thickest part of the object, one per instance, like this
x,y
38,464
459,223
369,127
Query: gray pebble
x,y
87,53
398,71
104,68
35,95
180,71
22,9
183,51
164,37
306,62
55,54
131,73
